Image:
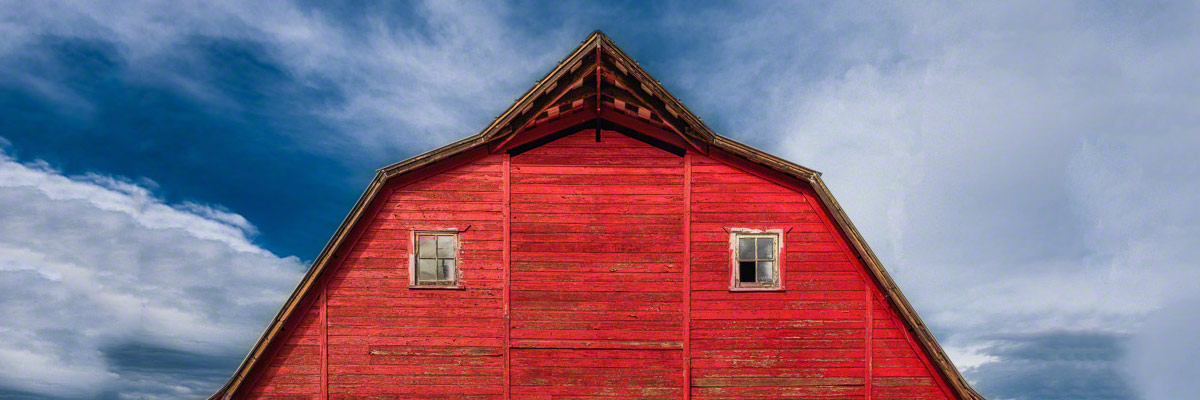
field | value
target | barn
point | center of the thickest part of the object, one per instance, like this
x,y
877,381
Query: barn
x,y
596,241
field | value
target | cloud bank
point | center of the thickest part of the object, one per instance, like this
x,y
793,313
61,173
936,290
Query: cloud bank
x,y
1025,171
92,266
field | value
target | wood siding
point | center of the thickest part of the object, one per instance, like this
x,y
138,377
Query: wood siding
x,y
295,369
807,340
600,237
597,267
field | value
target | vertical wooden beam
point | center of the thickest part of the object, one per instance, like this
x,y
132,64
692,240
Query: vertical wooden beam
x,y
869,346
507,216
687,275
324,344
868,281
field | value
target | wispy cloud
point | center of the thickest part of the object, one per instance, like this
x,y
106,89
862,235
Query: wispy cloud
x,y
89,264
403,81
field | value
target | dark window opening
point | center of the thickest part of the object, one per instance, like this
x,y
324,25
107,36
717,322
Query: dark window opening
x,y
746,271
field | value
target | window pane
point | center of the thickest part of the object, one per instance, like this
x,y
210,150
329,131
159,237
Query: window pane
x,y
746,271
426,245
766,248
766,272
445,246
446,270
426,270
746,248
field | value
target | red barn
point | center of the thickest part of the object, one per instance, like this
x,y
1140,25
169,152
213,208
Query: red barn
x,y
597,241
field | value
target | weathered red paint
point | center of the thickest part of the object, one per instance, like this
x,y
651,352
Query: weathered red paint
x,y
597,277
324,328
687,273
507,169
596,265
570,272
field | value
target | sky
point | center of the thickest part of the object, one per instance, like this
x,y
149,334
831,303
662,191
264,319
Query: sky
x,y
1027,171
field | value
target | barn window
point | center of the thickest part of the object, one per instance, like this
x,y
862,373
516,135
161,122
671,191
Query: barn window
x,y
436,259
756,260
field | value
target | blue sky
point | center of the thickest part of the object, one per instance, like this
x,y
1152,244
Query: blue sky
x,y
1026,171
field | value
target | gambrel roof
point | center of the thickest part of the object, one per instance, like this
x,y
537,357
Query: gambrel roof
x,y
596,86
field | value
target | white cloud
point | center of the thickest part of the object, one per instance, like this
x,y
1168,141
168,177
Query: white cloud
x,y
91,262
971,356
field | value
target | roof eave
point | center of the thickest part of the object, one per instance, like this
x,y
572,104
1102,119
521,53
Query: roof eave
x,y
260,346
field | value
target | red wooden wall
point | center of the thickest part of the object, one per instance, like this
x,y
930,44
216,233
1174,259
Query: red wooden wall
x,y
597,270
295,370
808,340
618,256
805,341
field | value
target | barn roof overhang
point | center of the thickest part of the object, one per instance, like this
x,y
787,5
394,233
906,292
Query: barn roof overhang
x,y
564,93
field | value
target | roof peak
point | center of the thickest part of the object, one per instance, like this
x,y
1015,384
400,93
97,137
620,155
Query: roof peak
x,y
598,55
613,61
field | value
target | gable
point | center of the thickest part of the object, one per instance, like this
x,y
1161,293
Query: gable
x,y
596,91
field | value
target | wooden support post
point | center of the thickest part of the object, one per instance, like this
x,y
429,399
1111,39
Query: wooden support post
x,y
507,216
687,275
324,344
870,339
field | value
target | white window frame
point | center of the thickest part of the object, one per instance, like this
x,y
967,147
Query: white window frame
x,y
414,281
735,283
